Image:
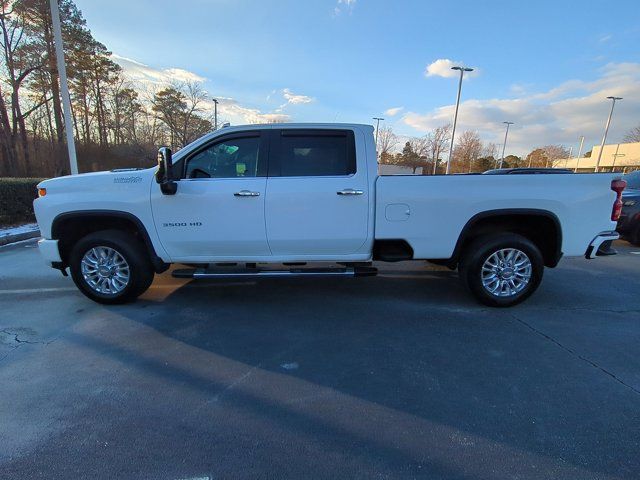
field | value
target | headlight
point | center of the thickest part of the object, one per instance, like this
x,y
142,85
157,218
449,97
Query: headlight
x,y
629,203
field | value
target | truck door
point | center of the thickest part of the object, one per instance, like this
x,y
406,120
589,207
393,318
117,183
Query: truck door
x,y
218,210
317,193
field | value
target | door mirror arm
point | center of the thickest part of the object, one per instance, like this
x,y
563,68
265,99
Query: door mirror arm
x,y
164,174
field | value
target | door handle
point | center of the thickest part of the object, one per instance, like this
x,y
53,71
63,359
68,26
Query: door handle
x,y
246,193
350,191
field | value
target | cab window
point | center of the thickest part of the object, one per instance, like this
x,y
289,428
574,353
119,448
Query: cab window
x,y
227,158
313,153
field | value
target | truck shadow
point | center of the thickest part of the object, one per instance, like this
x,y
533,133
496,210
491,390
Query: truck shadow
x,y
404,372
359,360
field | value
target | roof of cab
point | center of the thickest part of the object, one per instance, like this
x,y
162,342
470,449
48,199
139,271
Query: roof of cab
x,y
265,126
295,125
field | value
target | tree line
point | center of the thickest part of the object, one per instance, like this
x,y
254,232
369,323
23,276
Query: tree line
x,y
470,154
114,122
119,124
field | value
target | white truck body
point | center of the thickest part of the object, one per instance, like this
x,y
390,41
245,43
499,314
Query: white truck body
x,y
278,218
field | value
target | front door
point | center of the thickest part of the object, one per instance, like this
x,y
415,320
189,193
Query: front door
x,y
218,210
317,193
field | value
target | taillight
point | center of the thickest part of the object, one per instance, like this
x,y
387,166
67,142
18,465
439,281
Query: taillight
x,y
42,192
617,186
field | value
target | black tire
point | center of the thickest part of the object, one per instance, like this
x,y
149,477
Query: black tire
x,y
140,270
481,249
634,236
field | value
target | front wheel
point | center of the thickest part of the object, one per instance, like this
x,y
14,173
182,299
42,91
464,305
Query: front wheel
x,y
502,270
110,267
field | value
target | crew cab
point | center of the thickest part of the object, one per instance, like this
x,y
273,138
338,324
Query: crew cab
x,y
268,200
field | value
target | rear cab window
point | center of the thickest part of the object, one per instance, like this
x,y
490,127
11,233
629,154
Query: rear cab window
x,y
312,153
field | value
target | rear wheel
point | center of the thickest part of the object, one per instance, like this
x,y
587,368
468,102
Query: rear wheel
x,y
502,270
110,267
634,237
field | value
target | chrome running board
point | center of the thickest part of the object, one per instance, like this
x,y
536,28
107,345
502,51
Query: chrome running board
x,y
204,273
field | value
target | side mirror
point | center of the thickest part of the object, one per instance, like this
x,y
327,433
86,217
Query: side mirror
x,y
164,174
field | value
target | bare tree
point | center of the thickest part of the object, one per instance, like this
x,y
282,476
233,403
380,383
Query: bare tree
x,y
536,158
387,141
420,145
545,156
632,135
490,150
17,67
180,108
466,152
195,96
553,153
437,142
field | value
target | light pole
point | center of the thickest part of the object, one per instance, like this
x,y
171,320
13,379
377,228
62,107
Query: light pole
x,y
497,161
455,116
615,157
569,158
64,86
215,114
377,119
504,145
606,129
579,153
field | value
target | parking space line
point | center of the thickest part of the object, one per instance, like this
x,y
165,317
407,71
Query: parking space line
x,y
19,291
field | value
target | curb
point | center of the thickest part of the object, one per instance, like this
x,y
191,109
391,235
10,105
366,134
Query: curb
x,y
18,237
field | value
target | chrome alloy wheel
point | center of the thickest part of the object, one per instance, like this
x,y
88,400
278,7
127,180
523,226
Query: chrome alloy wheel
x,y
506,273
105,270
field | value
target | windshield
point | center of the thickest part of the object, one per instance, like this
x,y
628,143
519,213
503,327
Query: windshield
x,y
633,180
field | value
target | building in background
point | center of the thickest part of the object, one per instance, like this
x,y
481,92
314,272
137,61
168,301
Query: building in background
x,y
387,169
618,157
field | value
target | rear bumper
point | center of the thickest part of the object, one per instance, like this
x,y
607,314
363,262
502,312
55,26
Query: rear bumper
x,y
49,250
594,249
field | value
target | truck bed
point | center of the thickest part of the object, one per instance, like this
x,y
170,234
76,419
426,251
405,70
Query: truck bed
x,y
430,212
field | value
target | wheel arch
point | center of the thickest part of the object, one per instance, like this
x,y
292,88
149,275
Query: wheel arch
x,y
542,227
69,227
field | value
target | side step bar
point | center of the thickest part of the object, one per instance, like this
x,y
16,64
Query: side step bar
x,y
292,272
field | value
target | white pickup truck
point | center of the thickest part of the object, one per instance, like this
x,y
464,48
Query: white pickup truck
x,y
267,200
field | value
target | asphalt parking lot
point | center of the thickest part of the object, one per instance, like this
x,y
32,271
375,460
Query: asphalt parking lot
x,y
397,376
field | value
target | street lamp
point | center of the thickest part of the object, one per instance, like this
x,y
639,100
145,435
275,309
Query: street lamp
x,y
215,113
64,86
377,119
615,157
606,129
455,116
504,145
579,153
566,162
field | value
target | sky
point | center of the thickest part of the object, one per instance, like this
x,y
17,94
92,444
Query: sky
x,y
547,66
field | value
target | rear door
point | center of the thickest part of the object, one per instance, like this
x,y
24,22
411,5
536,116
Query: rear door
x,y
317,193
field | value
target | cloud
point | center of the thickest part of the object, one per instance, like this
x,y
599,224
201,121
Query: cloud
x,y
294,99
231,110
392,112
139,72
605,38
442,68
556,116
344,6
147,78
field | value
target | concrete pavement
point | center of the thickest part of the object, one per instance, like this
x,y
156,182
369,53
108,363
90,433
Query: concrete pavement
x,y
397,376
